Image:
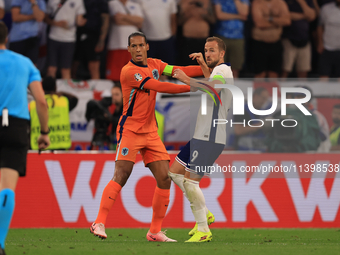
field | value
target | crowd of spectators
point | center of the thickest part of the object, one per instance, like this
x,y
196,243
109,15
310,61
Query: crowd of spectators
x,y
86,39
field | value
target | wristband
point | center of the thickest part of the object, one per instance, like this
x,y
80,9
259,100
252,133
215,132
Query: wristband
x,y
45,133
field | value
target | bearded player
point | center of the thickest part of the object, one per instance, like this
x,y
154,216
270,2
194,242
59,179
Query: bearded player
x,y
208,141
137,131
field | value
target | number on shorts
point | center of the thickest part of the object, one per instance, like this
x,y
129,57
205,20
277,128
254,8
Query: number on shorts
x,y
194,155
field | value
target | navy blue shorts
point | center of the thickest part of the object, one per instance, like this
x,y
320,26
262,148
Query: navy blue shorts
x,y
197,156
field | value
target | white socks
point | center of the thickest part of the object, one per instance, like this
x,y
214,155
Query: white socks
x,y
178,179
197,203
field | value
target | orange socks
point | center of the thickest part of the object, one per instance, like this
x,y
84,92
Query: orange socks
x,y
160,204
108,199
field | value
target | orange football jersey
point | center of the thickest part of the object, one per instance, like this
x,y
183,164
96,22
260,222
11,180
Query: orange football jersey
x,y
138,103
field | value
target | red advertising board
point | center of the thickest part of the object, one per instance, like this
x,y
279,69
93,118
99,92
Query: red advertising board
x,y
64,190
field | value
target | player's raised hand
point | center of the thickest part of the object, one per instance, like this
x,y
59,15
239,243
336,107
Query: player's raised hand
x,y
198,56
200,60
181,76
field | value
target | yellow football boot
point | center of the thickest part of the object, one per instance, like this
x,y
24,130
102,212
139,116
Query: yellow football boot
x,y
200,237
210,220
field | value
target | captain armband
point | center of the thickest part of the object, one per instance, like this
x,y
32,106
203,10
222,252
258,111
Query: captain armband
x,y
168,70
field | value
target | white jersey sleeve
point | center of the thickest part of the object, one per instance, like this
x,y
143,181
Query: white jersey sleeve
x,y
224,71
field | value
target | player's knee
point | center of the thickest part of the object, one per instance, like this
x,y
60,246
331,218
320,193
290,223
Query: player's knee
x,y
164,182
177,168
167,180
121,177
190,185
191,189
122,172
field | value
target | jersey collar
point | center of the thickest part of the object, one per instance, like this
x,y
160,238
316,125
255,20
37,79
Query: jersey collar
x,y
226,63
137,64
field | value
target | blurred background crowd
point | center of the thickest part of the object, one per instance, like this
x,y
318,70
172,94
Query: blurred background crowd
x,y
87,39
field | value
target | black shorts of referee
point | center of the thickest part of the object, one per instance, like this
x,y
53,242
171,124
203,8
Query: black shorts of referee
x,y
14,142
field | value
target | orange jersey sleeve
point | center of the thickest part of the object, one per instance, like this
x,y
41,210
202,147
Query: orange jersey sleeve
x,y
191,71
166,69
165,87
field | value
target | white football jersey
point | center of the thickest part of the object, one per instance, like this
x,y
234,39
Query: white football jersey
x,y
204,129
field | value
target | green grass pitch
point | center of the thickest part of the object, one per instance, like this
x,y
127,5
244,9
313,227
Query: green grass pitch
x,y
133,241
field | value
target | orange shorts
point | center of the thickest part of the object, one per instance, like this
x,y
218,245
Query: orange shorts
x,y
150,146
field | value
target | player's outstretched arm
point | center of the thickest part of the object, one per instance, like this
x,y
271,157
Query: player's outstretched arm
x,y
165,87
203,84
191,71
138,79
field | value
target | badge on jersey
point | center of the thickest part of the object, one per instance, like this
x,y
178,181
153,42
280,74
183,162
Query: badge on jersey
x,y
155,74
125,151
138,77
